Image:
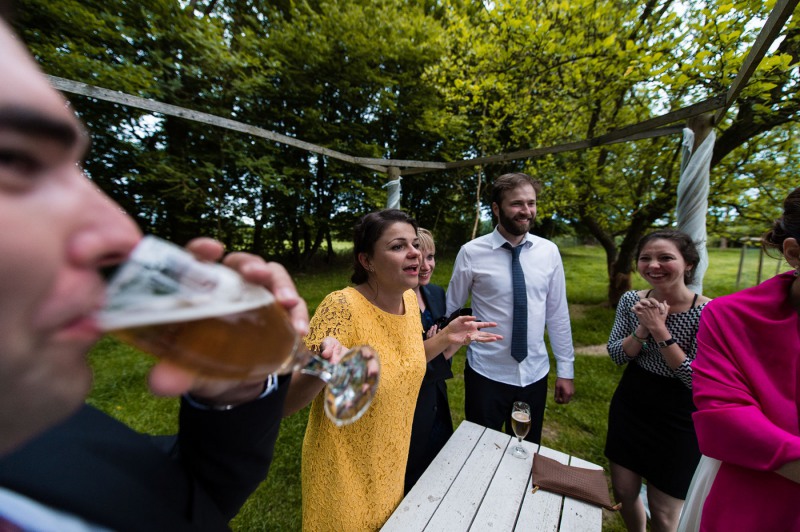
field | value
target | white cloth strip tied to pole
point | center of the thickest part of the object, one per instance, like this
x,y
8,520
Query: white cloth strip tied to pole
x,y
692,204
393,199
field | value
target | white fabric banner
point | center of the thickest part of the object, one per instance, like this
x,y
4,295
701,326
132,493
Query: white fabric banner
x,y
393,201
692,204
703,479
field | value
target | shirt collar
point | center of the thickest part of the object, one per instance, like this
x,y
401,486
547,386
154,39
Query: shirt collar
x,y
498,240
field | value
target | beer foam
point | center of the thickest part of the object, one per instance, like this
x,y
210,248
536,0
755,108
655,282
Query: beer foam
x,y
521,416
163,283
177,311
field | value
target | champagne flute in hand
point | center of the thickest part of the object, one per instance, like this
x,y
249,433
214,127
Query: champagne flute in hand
x,y
206,318
521,424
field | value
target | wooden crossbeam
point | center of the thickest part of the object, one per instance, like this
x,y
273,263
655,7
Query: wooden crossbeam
x,y
573,146
646,129
154,106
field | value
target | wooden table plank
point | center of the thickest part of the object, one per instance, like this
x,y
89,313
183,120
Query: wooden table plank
x,y
459,506
502,501
476,484
579,516
424,498
541,511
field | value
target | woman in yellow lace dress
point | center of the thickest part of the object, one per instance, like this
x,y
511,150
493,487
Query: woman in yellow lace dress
x,y
353,475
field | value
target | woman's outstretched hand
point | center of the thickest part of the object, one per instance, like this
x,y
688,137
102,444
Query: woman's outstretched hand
x,y
466,329
461,331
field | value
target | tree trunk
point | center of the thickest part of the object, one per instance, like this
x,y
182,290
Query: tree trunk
x,y
619,282
329,241
607,241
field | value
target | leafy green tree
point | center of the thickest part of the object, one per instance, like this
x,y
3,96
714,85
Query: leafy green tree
x,y
339,74
350,80
424,79
539,73
167,172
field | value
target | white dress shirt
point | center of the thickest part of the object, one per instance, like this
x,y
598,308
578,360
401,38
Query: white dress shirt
x,y
33,516
483,268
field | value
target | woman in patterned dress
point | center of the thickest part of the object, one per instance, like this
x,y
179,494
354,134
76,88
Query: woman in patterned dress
x,y
650,430
352,476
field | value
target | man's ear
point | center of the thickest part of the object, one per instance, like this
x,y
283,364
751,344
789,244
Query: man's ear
x,y
791,251
496,210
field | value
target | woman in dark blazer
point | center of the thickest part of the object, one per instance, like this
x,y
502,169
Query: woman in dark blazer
x,y
433,424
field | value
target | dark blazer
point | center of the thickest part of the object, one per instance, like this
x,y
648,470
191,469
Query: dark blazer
x,y
432,425
99,469
438,369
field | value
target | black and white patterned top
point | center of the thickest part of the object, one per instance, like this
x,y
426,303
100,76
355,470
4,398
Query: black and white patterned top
x,y
682,325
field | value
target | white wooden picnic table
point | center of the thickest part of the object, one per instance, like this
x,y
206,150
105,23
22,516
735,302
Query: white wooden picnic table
x,y
476,484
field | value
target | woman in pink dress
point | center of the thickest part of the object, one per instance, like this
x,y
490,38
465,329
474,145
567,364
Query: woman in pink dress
x,y
746,387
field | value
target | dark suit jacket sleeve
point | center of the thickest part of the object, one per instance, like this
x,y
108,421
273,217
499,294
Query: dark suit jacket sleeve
x,y
227,454
97,468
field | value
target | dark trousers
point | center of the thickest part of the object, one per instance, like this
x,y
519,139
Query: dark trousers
x,y
431,429
489,403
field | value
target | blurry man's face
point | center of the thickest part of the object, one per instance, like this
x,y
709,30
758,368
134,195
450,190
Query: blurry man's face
x,y
56,230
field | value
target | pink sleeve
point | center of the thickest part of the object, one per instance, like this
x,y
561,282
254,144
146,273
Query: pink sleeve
x,y
735,390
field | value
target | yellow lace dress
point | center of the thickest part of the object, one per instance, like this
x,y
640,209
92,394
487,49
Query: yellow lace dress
x,y
353,476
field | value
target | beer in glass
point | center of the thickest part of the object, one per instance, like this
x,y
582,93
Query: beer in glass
x,y
206,318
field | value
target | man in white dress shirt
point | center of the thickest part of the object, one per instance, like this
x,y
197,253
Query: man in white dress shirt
x,y
493,378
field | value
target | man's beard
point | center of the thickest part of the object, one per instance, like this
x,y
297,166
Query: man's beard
x,y
513,227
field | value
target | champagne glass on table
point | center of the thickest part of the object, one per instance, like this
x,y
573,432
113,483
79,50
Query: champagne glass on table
x,y
520,424
206,318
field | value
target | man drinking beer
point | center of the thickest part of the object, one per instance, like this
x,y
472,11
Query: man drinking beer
x,y
65,465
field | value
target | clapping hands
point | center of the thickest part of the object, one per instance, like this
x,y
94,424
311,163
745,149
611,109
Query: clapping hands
x,y
651,312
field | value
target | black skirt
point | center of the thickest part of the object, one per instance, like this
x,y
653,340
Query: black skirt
x,y
650,430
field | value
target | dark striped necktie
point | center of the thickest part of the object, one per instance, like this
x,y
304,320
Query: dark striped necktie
x,y
519,331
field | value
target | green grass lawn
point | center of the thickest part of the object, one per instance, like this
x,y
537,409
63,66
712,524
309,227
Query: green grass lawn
x,y
578,428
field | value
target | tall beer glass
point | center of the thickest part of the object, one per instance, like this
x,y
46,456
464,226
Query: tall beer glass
x,y
520,424
205,317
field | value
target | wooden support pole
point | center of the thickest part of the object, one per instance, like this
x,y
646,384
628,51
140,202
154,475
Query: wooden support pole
x,y
477,203
702,125
741,264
